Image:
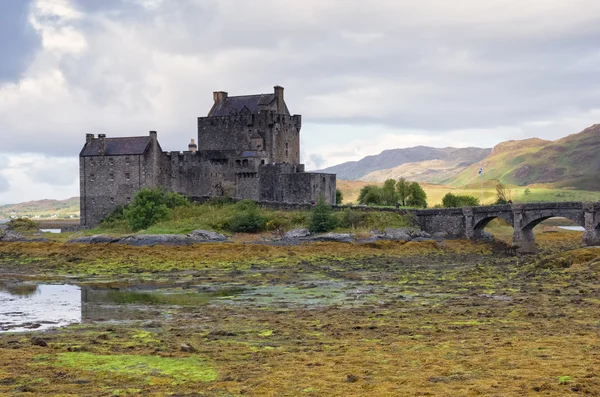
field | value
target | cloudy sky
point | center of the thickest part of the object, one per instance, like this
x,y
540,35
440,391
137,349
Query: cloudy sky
x,y
365,75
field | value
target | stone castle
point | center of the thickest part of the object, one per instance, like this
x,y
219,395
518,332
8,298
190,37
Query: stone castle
x,y
248,148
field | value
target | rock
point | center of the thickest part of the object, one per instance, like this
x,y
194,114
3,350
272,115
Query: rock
x,y
336,237
297,233
402,234
187,348
440,235
95,239
39,342
351,378
207,235
11,236
150,240
419,233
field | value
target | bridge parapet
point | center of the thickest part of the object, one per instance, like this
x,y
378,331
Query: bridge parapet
x,y
469,222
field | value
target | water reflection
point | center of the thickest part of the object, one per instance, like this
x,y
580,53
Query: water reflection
x,y
19,289
36,307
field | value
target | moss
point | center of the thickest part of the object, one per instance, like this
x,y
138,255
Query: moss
x,y
178,370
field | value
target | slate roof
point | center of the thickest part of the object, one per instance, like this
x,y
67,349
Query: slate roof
x,y
252,102
117,146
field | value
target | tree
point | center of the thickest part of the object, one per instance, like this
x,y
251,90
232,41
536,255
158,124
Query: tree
x,y
322,219
148,207
370,194
339,197
402,190
502,194
459,200
388,193
527,192
416,196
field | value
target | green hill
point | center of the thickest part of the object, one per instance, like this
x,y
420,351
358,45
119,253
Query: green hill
x,y
570,162
42,209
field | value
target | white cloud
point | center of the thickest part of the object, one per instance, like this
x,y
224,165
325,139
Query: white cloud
x,y
367,76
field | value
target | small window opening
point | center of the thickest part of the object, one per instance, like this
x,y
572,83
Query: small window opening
x,y
127,176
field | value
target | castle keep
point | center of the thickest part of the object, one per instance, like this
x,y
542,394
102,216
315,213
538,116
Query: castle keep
x,y
248,147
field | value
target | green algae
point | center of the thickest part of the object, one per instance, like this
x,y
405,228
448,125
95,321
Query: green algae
x,y
179,370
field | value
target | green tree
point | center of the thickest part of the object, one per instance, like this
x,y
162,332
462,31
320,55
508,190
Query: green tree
x,y
388,193
148,207
370,194
322,219
339,197
402,190
459,200
416,196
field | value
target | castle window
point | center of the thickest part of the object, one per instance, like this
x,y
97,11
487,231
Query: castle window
x,y
93,201
286,149
92,162
111,177
91,177
112,200
110,161
238,163
245,163
323,179
127,176
126,160
129,199
262,161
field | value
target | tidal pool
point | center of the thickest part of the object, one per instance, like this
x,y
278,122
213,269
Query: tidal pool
x,y
26,307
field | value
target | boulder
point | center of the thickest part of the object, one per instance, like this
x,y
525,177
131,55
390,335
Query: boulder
x,y
297,233
150,240
419,234
336,237
402,234
207,235
95,239
7,235
440,235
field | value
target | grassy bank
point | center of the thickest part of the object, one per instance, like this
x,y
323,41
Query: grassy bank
x,y
219,217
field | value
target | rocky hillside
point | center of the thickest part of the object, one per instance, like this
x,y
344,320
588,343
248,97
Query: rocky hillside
x,y
573,161
450,160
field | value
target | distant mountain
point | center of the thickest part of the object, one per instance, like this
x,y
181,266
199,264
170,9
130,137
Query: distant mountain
x,y
449,158
42,208
573,161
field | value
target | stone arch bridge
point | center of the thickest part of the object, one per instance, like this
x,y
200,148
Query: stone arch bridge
x,y
469,222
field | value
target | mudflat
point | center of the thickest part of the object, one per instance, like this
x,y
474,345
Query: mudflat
x,y
451,318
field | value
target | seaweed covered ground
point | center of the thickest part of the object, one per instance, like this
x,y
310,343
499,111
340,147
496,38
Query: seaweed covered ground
x,y
453,318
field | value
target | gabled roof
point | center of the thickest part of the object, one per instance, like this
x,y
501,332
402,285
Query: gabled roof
x,y
253,103
116,146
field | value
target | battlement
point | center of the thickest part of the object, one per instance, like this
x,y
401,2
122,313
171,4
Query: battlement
x,y
247,119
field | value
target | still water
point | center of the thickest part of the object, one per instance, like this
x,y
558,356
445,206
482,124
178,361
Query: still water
x,y
573,228
37,307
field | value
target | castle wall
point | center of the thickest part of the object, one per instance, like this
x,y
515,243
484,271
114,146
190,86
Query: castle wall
x,y
305,187
280,133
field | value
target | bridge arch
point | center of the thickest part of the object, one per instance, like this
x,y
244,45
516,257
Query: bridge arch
x,y
481,222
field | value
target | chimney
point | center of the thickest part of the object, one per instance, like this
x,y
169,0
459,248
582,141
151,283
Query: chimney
x,y
102,138
280,102
219,96
89,138
192,147
153,135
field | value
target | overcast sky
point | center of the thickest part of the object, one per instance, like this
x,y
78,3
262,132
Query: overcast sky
x,y
365,75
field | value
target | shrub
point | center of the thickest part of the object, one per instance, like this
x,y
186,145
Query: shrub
x,y
370,194
339,197
349,218
459,200
23,224
150,206
246,218
322,219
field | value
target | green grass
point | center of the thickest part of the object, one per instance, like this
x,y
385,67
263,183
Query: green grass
x,y
183,220
179,370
